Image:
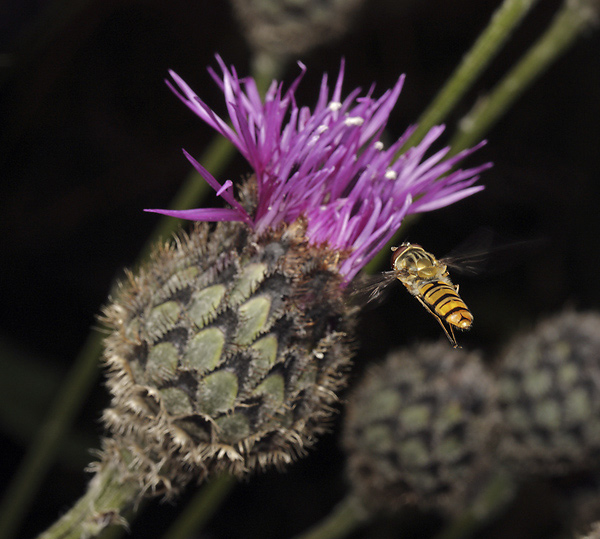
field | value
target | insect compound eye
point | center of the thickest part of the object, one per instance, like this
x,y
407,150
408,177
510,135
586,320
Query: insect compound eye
x,y
398,252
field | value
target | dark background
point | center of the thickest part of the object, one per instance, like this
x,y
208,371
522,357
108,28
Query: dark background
x,y
91,135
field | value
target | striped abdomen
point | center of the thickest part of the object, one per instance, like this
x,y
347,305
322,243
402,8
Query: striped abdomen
x,y
444,302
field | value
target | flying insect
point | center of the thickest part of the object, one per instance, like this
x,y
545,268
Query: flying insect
x,y
428,280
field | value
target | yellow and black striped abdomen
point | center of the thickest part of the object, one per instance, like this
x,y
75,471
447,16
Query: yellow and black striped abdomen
x,y
444,301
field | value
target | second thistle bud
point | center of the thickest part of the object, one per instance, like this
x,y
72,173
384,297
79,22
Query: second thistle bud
x,y
418,429
549,396
226,353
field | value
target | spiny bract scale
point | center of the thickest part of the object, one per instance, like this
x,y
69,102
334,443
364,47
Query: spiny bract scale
x,y
226,353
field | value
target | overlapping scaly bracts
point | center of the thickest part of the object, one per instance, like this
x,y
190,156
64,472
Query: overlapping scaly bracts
x,y
227,353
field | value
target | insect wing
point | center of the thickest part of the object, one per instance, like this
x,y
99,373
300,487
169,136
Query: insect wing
x,y
471,257
371,289
481,253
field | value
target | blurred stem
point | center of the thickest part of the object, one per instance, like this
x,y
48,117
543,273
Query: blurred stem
x,y
22,410
345,518
504,20
42,451
201,508
498,491
108,494
574,17
194,189
499,29
266,68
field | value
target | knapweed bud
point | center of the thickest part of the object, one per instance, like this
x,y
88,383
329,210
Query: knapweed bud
x,y
292,27
227,350
418,428
226,353
549,396
592,533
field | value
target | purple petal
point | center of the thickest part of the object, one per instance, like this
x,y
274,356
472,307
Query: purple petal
x,y
326,164
203,214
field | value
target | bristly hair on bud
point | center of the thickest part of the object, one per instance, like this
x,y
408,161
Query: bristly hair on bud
x,y
327,165
227,353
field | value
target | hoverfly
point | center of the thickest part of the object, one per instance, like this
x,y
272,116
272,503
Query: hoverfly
x,y
427,279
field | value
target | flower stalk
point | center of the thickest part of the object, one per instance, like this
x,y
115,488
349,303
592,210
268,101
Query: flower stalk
x,y
109,493
499,29
345,517
201,508
572,20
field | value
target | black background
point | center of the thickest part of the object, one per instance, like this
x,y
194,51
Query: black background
x,y
91,135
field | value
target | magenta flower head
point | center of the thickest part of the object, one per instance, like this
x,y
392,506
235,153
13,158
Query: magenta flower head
x,y
228,348
327,165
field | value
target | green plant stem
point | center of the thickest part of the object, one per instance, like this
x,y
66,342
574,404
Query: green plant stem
x,y
502,23
348,515
495,494
201,508
42,450
108,494
267,67
574,17
504,20
215,158
22,411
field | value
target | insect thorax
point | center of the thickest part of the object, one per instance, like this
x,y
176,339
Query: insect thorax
x,y
414,264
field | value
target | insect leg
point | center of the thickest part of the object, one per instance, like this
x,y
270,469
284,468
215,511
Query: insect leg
x,y
449,334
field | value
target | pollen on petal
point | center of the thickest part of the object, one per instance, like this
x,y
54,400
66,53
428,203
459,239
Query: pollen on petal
x,y
357,120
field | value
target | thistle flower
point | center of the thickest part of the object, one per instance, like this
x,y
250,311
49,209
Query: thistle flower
x,y
228,348
327,165
238,340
